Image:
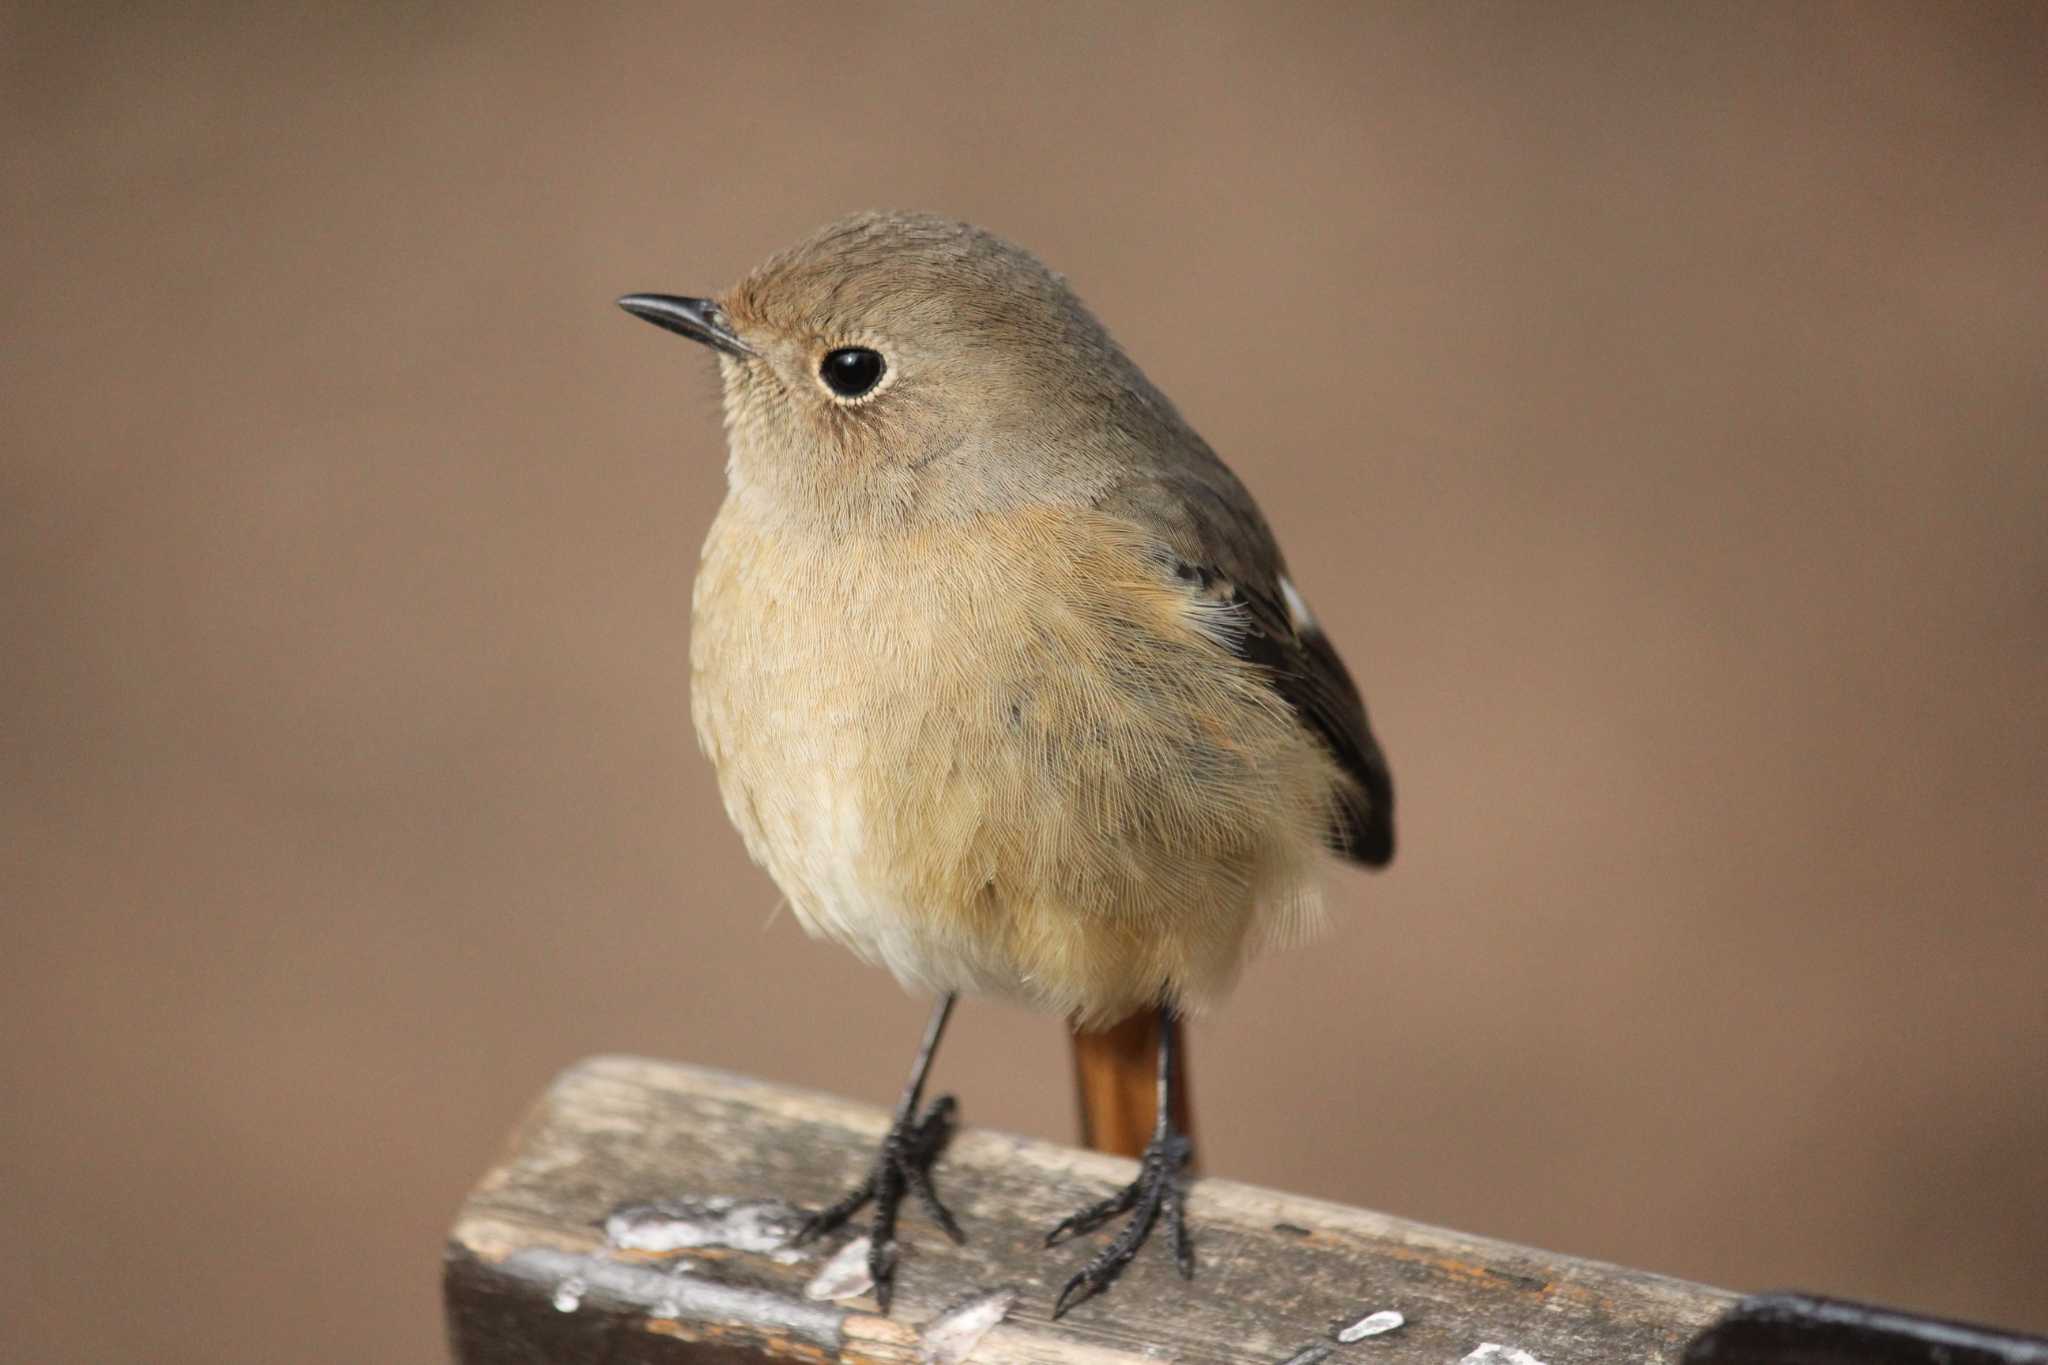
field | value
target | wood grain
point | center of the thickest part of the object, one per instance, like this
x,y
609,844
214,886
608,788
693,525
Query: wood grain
x,y
1276,1274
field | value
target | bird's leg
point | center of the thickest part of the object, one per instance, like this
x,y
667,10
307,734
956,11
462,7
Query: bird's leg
x,y
1157,1189
903,1166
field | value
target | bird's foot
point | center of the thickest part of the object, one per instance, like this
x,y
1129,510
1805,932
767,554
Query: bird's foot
x,y
1157,1188
903,1166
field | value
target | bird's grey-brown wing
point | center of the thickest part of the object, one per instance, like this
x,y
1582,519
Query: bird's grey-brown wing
x,y
1213,538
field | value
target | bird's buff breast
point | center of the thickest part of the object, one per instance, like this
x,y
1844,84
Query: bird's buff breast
x,y
955,761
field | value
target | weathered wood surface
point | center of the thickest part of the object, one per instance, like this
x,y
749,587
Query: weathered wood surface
x,y
531,1276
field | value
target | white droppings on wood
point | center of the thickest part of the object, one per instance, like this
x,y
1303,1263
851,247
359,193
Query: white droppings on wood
x,y
569,1294
1386,1320
670,1304
758,1225
951,1337
845,1276
636,1289
1493,1353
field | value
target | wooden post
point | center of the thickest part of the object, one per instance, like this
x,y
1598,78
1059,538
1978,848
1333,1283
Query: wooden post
x,y
549,1262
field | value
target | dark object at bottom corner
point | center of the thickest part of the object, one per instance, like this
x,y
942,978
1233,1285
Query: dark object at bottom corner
x,y
1801,1329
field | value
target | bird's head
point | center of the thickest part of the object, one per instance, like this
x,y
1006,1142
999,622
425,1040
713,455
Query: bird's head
x,y
895,365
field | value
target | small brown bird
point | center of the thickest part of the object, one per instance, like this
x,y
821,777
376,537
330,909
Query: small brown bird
x,y
1001,670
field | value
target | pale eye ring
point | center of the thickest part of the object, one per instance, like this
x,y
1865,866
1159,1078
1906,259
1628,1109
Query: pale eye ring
x,y
852,371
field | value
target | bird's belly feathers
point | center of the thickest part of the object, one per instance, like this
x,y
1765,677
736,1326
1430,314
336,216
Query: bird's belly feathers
x,y
975,784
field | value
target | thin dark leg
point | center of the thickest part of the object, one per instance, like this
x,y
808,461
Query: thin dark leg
x,y
903,1166
934,1029
1157,1189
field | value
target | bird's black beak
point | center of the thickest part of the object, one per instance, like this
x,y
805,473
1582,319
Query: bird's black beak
x,y
698,319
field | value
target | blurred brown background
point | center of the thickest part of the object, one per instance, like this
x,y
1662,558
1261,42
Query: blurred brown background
x,y
1652,402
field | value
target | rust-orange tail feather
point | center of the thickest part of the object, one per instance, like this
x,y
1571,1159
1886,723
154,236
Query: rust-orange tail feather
x,y
1116,1073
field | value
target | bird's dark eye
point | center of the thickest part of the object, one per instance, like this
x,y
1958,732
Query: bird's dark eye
x,y
851,371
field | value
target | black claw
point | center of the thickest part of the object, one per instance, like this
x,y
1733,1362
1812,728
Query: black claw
x,y
1183,1248
903,1166
921,1185
1095,1215
828,1219
1157,1188
882,1270
1061,1304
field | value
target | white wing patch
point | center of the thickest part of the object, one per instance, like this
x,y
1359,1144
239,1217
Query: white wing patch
x,y
1298,614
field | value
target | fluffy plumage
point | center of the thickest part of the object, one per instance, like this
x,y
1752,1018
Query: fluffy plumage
x,y
998,665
